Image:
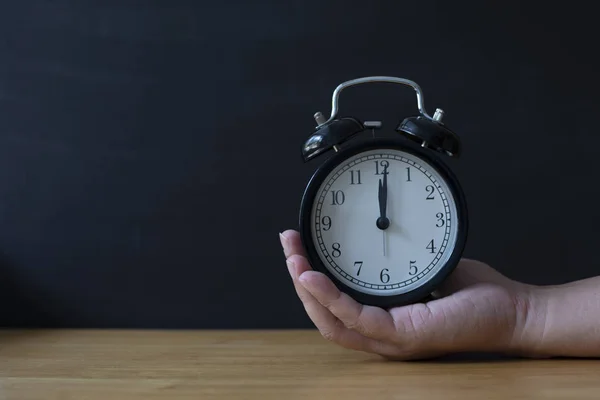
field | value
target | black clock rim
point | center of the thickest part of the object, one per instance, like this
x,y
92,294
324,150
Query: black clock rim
x,y
420,293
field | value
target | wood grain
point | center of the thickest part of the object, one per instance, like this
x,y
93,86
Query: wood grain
x,y
287,365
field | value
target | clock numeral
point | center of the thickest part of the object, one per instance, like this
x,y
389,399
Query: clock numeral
x,y
326,222
430,189
384,167
408,174
383,275
412,270
336,250
355,177
337,197
431,247
359,264
440,217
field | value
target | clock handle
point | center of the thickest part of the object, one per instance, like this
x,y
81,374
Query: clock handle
x,y
390,79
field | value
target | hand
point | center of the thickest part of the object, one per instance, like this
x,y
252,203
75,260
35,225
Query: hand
x,y
477,309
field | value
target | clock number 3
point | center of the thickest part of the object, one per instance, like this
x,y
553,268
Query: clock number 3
x,y
440,220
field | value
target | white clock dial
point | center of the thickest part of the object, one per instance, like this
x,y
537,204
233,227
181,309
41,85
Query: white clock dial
x,y
422,230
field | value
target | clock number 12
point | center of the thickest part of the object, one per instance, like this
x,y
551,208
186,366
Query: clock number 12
x,y
384,164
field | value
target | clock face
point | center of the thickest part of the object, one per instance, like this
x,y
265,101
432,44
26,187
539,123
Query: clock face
x,y
410,243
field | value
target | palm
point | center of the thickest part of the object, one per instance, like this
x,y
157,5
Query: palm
x,y
474,306
476,309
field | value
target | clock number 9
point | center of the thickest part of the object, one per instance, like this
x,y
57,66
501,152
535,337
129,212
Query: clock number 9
x,y
326,222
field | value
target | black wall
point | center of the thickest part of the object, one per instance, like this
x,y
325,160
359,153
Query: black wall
x,y
150,150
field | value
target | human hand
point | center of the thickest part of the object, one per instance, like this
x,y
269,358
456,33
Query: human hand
x,y
476,309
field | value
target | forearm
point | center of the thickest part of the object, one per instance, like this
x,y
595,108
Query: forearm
x,y
564,320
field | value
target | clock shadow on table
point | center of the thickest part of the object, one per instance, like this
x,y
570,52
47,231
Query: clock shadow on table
x,y
474,358
471,358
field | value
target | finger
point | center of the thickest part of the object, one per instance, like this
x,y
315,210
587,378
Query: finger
x,y
369,321
328,325
417,324
291,243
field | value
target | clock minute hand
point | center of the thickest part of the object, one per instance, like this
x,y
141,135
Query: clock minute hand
x,y
383,222
383,200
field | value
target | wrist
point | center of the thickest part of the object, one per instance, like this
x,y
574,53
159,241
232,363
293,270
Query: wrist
x,y
531,303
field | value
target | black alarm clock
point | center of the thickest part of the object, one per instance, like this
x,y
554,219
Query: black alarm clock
x,y
383,217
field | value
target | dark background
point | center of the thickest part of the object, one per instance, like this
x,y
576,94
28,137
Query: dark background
x,y
150,150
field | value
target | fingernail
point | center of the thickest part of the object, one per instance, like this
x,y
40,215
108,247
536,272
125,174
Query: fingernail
x,y
290,266
304,282
284,242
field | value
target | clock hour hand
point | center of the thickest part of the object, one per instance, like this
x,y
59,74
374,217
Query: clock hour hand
x,y
383,221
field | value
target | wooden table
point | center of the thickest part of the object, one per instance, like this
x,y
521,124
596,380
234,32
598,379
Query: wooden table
x,y
285,365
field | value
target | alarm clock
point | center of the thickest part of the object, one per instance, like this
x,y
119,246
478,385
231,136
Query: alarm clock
x,y
384,218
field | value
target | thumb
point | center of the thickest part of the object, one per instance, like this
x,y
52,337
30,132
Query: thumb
x,y
473,319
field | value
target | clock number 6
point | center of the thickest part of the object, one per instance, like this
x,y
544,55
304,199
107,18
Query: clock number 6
x,y
383,275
